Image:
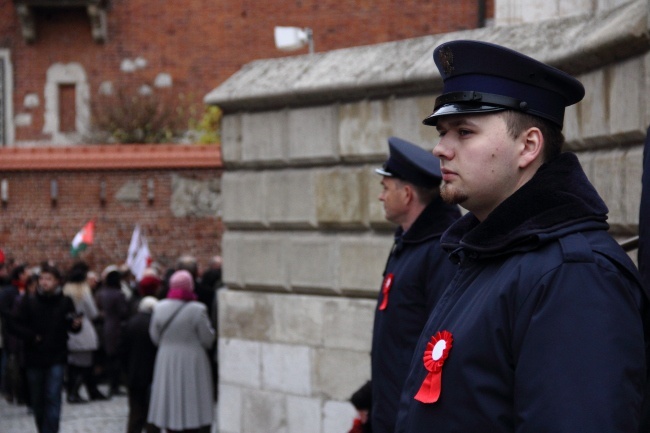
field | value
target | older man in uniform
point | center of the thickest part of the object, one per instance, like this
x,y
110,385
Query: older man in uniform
x,y
416,272
542,328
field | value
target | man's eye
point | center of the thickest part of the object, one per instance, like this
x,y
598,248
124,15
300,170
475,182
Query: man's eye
x,y
463,132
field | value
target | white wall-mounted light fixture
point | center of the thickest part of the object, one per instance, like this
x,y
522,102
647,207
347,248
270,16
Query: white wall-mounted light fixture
x,y
293,38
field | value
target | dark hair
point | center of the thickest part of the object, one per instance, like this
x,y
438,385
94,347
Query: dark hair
x,y
425,195
113,279
362,398
518,122
78,272
17,272
52,270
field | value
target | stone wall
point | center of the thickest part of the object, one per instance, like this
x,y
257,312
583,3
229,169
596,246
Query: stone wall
x,y
306,241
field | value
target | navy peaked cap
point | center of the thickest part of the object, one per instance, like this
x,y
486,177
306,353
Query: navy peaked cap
x,y
411,163
482,77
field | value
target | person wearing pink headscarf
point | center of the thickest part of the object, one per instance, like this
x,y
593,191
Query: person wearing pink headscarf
x,y
181,395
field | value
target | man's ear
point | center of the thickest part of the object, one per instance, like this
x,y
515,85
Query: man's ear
x,y
409,193
532,146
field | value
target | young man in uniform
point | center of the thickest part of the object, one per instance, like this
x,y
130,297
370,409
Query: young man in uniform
x,y
416,273
542,328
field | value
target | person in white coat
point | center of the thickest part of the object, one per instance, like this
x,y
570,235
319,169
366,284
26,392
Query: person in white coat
x,y
181,397
82,345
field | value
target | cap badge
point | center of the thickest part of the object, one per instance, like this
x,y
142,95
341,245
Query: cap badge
x,y
447,59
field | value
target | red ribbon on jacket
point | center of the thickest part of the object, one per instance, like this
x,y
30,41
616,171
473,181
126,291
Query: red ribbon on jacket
x,y
385,288
435,355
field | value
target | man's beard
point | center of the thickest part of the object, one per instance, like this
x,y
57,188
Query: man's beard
x,y
451,195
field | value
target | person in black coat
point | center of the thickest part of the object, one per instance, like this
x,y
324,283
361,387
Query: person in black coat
x,y
139,354
417,270
43,322
542,327
114,310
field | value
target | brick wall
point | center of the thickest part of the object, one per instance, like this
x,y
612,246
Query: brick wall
x,y
200,43
176,222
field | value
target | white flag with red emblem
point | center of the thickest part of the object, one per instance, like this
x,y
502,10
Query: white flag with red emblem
x,y
139,256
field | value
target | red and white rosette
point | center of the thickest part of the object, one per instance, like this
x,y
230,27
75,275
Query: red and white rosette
x,y
435,355
385,289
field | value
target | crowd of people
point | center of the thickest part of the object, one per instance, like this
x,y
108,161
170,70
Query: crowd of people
x,y
63,333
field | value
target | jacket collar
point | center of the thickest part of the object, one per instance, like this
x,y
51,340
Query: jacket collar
x,y
432,222
559,199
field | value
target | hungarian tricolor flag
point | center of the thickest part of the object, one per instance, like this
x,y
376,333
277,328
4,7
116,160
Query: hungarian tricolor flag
x,y
83,238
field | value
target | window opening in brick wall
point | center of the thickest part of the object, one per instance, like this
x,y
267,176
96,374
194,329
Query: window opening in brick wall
x,y
67,108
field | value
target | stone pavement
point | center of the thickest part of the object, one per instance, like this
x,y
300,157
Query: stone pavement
x,y
94,417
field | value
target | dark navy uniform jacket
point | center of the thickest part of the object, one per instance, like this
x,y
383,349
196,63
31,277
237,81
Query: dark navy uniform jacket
x,y
545,313
419,271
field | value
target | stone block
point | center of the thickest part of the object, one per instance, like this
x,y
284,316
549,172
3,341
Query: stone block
x,y
240,363
534,11
627,96
286,369
313,264
594,109
632,198
571,130
290,200
603,5
297,319
304,415
243,195
265,138
347,324
232,273
231,138
362,263
363,129
573,7
129,192
376,216
586,160
340,200
263,259
195,198
609,167
265,412
338,372
338,416
313,134
230,409
245,315
407,114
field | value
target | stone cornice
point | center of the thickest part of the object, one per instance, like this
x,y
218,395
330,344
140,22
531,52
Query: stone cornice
x,y
576,44
110,157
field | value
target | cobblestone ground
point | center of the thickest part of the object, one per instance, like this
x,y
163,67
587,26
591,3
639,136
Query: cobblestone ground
x,y
94,417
